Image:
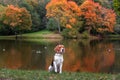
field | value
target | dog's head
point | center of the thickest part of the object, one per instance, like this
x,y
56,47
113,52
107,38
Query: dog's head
x,y
59,49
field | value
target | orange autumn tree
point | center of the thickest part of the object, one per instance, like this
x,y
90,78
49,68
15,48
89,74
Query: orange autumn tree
x,y
64,12
97,17
108,20
16,17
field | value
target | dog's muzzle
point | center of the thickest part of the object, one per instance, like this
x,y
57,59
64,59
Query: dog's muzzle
x,y
62,50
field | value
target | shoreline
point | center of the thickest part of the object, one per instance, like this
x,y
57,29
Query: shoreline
x,y
39,36
51,36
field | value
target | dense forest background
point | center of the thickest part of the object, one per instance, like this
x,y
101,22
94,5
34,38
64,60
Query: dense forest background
x,y
21,16
36,9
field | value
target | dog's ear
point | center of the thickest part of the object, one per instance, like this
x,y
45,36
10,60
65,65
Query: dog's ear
x,y
56,49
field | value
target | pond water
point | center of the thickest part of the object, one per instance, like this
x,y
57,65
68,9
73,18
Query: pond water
x,y
80,56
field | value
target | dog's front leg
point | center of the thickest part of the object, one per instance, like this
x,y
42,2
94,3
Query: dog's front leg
x,y
60,68
55,66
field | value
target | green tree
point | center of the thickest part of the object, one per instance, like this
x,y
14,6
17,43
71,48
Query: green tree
x,y
2,12
41,11
117,6
36,21
52,24
37,11
3,28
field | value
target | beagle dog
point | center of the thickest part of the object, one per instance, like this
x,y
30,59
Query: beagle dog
x,y
57,62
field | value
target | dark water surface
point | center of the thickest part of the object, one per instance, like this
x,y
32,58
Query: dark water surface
x,y
80,56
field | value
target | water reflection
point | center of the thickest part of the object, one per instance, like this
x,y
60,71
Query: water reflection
x,y
23,55
80,55
91,56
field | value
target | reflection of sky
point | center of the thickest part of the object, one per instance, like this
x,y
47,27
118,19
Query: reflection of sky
x,y
79,56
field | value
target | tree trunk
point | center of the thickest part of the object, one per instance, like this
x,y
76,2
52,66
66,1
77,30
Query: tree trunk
x,y
59,29
88,28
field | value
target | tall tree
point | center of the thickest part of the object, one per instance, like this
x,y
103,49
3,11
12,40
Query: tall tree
x,y
16,17
63,11
30,5
2,11
2,14
117,6
97,17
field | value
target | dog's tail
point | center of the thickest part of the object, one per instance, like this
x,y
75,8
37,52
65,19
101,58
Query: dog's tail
x,y
52,62
51,66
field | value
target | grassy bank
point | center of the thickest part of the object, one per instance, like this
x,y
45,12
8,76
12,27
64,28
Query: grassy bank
x,y
40,36
35,35
45,34
6,74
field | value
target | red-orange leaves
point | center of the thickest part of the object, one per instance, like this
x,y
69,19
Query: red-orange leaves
x,y
72,20
97,17
74,8
64,11
94,16
68,26
17,17
108,18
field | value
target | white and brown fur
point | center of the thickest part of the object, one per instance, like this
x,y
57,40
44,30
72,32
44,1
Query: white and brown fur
x,y
57,61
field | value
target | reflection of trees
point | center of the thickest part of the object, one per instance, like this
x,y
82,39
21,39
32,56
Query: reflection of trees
x,y
38,60
96,59
90,56
13,59
117,55
72,56
93,56
34,56
19,54
26,55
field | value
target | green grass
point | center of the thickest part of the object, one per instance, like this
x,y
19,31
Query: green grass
x,y
44,32
44,75
35,35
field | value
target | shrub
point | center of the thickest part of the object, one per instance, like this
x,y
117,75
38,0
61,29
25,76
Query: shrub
x,y
85,35
117,29
70,33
